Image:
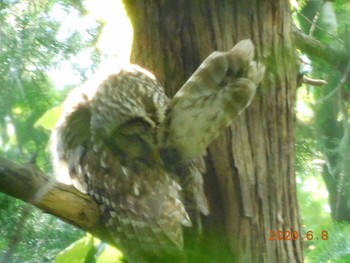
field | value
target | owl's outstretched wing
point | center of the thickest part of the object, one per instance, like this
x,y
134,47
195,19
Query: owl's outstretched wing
x,y
218,91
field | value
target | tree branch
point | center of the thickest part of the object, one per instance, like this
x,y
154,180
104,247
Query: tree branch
x,y
315,48
28,183
314,82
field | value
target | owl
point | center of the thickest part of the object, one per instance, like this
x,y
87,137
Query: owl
x,y
138,153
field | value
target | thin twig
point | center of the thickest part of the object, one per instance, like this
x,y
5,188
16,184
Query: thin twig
x,y
339,86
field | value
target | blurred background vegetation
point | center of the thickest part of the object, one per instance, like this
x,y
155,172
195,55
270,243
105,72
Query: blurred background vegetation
x,y
48,47
36,41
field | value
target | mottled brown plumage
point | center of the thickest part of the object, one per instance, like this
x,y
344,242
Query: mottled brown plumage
x,y
131,148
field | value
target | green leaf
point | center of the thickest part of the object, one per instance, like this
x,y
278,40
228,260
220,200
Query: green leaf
x,y
77,252
49,119
110,255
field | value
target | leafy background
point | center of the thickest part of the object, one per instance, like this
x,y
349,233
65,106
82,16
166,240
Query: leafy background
x,y
47,47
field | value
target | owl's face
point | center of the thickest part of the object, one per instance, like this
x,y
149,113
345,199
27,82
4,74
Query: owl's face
x,y
126,114
135,139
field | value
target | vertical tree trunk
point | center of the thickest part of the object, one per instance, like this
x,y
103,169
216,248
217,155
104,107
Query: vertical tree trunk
x,y
250,182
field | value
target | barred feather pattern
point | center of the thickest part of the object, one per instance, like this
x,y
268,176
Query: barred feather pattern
x,y
222,86
138,153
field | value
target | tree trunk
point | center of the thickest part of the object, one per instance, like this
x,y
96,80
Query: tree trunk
x,y
250,179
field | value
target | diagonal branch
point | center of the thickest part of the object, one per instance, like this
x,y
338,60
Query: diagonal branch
x,y
314,48
28,183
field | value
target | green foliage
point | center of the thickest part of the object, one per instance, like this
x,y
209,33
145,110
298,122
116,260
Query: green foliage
x,y
312,192
50,118
40,236
322,136
77,252
33,41
333,250
89,249
35,38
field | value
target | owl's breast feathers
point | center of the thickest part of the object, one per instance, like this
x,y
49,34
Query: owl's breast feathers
x,y
142,203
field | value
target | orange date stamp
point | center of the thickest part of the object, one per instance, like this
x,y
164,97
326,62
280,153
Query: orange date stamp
x,y
294,235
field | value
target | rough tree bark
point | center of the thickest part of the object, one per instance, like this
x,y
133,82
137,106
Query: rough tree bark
x,y
250,181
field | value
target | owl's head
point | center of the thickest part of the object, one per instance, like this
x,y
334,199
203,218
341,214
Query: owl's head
x,y
125,113
134,139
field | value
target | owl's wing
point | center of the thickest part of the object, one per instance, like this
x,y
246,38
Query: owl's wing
x,y
70,139
218,91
